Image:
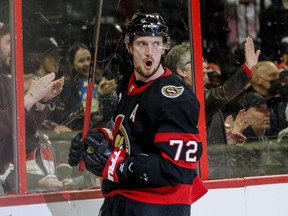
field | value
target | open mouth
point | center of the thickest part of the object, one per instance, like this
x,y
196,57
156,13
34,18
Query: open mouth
x,y
148,63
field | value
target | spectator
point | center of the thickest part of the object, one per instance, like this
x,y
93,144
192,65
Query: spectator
x,y
43,89
72,100
214,75
43,59
258,114
269,81
179,60
265,72
273,27
282,63
258,156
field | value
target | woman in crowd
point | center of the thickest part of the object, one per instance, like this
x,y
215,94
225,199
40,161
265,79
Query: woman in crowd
x,y
72,101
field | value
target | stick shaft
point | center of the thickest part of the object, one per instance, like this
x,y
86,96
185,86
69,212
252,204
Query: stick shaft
x,y
86,123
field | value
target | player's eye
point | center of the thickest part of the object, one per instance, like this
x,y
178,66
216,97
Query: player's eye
x,y
141,43
157,44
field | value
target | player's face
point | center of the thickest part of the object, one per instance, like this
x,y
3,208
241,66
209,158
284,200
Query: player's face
x,y
5,56
147,52
82,62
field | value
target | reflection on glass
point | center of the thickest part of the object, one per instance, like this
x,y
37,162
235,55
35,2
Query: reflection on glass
x,y
6,103
225,26
58,37
253,120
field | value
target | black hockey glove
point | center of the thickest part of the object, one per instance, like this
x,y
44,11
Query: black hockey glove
x,y
103,159
145,166
76,150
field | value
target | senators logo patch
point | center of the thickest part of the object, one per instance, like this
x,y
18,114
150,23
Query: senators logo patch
x,y
120,135
171,91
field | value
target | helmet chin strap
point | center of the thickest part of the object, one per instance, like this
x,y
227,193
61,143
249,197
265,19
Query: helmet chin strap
x,y
147,76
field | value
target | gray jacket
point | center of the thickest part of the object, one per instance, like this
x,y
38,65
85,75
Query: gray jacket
x,y
215,99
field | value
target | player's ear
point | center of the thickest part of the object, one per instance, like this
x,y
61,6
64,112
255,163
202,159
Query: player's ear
x,y
129,48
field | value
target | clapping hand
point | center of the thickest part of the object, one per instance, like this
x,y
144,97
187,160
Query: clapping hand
x,y
55,89
234,128
44,89
106,87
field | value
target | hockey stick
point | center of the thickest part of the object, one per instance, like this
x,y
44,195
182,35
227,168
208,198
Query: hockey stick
x,y
86,123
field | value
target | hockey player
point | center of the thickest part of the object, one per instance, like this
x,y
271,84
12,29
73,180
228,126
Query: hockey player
x,y
148,165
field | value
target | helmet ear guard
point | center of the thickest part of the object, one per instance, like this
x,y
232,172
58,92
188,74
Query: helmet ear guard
x,y
166,43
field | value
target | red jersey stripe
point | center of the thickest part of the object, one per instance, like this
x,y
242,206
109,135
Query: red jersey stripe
x,y
181,163
164,137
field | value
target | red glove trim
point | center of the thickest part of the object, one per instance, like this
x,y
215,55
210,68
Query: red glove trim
x,y
247,70
110,169
107,134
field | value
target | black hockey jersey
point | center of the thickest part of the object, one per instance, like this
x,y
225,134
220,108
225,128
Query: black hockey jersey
x,y
159,118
